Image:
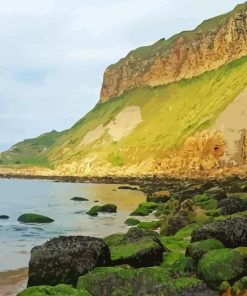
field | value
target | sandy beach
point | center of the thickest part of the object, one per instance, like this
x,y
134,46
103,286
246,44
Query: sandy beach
x,y
12,282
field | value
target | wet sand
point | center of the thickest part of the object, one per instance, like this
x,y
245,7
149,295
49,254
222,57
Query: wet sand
x,y
12,282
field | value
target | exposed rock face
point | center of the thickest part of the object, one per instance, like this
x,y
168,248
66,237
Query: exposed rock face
x,y
214,43
64,259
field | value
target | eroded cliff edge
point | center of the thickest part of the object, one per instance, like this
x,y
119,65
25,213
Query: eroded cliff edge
x,y
214,43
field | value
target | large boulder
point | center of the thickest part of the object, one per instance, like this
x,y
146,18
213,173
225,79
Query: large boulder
x,y
64,259
221,265
231,232
137,248
59,290
34,218
150,281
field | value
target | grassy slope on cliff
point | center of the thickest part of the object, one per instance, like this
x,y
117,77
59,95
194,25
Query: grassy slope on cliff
x,y
29,151
170,114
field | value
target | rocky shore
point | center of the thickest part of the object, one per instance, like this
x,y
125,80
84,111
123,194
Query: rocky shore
x,y
196,245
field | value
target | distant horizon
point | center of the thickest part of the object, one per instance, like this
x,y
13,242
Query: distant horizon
x,y
53,55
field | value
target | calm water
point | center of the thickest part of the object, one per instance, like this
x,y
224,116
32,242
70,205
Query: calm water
x,y
53,199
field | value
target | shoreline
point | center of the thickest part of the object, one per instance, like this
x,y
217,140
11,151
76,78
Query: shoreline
x,y
13,281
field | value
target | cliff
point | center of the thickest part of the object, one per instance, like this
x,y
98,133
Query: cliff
x,y
214,43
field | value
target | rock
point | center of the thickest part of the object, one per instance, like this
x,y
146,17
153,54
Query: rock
x,y
4,217
232,205
107,208
221,265
137,248
131,222
120,281
224,287
174,244
177,222
127,188
170,258
200,290
240,287
231,232
159,197
77,198
64,259
186,231
34,218
140,211
59,290
149,225
198,249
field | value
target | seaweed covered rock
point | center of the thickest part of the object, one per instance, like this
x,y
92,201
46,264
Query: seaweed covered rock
x,y
221,265
159,196
197,249
174,244
231,232
34,218
144,209
149,225
64,259
240,287
232,205
120,281
137,248
131,222
200,290
107,208
61,290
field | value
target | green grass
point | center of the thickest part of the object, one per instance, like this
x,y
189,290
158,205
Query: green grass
x,y
170,113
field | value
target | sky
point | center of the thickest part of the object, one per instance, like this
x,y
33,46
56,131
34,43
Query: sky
x,y
53,53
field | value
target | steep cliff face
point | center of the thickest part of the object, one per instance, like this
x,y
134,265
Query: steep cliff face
x,y
214,43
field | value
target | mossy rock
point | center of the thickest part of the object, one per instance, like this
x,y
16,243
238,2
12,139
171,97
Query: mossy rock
x,y
111,281
239,287
131,222
34,218
186,231
170,258
59,290
183,265
210,204
198,249
159,197
140,211
137,248
107,208
149,225
93,211
200,198
174,244
169,208
221,265
149,205
224,286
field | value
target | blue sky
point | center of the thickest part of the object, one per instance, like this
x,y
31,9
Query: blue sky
x,y
53,53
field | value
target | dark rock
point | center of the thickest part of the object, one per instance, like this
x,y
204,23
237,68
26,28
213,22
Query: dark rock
x,y
159,197
127,188
77,198
4,217
200,290
64,259
232,205
34,218
107,208
231,232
